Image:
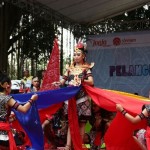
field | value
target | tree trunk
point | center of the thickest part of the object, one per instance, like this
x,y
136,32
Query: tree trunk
x,y
9,17
3,39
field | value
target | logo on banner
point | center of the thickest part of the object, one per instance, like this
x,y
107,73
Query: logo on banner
x,y
100,42
116,41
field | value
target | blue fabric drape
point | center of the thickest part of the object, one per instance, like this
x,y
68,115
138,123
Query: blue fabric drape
x,y
30,121
47,98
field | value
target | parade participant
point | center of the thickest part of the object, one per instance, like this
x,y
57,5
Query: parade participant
x,y
145,114
35,84
6,104
77,73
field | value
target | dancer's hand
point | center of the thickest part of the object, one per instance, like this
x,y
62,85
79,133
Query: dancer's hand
x,y
56,83
119,107
34,97
74,83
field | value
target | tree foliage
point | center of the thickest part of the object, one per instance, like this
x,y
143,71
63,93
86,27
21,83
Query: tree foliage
x,y
30,36
135,20
26,33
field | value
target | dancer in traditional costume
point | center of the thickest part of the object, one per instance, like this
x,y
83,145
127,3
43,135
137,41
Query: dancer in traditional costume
x,y
6,104
77,73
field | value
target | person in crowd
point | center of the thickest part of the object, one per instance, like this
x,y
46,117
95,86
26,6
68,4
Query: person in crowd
x,y
100,122
98,126
43,73
108,117
6,104
145,114
27,79
35,84
55,130
140,139
87,141
77,73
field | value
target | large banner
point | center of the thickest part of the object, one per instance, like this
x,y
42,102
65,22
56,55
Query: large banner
x,y
122,61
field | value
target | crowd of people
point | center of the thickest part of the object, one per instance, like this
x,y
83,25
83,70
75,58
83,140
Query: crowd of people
x,y
56,128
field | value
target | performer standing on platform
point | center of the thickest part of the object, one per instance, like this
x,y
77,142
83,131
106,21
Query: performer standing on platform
x,y
77,73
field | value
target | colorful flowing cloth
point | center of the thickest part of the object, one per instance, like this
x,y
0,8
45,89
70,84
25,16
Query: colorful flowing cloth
x,y
6,127
118,135
32,126
73,124
30,121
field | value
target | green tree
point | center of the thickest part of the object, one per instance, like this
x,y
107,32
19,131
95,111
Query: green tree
x,y
31,34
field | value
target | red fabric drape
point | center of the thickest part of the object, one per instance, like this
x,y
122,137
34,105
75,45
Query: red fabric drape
x,y
16,125
51,74
53,69
49,111
6,127
97,140
73,124
119,134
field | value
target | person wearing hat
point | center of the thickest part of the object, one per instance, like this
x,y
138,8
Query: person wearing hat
x,y
77,73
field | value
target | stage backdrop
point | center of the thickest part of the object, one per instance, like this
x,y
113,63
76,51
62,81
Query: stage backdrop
x,y
122,61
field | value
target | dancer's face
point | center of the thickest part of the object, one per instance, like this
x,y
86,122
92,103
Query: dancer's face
x,y
8,89
78,56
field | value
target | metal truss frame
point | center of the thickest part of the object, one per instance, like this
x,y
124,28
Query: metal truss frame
x,y
79,30
110,26
41,10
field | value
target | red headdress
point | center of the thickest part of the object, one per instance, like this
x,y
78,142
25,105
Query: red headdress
x,y
80,47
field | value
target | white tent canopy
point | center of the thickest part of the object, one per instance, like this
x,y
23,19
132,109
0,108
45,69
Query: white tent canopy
x,y
91,11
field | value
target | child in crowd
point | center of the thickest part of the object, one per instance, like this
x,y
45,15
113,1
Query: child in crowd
x,y
35,84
